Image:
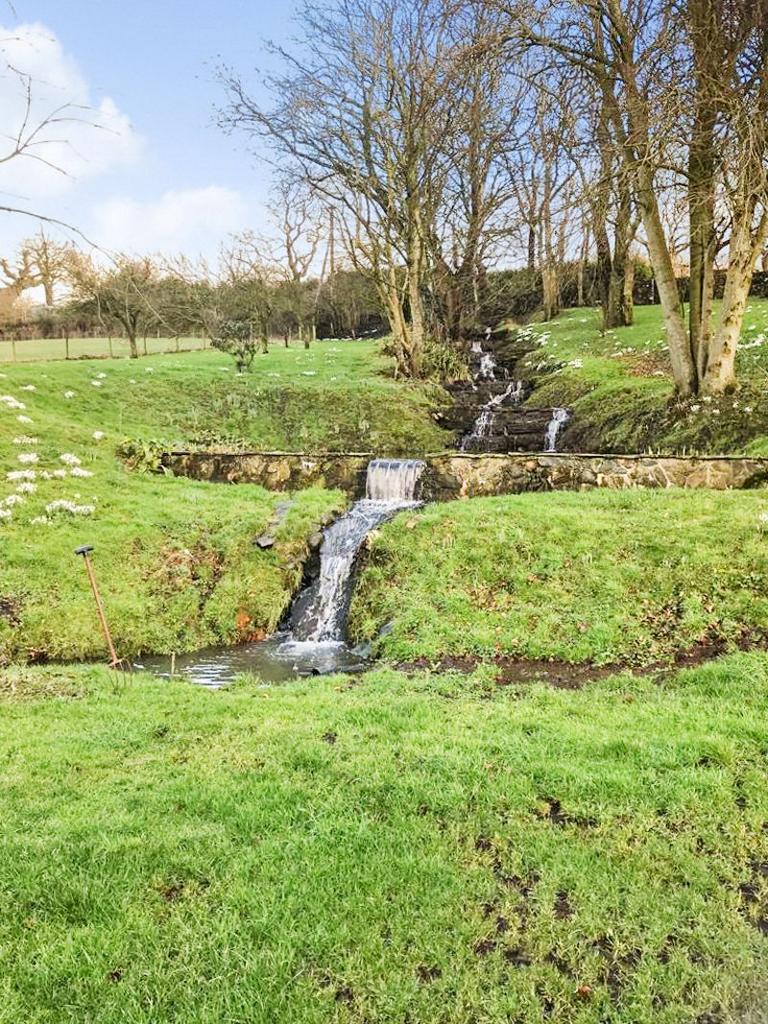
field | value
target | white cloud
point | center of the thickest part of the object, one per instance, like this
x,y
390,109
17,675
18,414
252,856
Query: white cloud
x,y
190,220
88,137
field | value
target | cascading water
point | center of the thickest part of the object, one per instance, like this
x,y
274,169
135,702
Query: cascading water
x,y
314,642
483,425
319,614
559,418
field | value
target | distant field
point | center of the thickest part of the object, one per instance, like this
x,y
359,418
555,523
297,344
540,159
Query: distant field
x,y
43,349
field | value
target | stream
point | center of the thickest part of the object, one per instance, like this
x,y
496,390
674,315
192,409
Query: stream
x,y
314,640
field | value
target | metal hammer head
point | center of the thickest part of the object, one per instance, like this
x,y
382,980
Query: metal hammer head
x,y
84,550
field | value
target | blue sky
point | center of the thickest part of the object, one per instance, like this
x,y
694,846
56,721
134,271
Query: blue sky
x,y
156,61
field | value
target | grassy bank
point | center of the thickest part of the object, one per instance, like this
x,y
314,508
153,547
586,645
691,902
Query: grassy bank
x,y
335,396
175,558
599,576
618,386
432,850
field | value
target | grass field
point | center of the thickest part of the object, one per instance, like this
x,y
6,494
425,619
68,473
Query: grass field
x,y
425,850
48,349
618,386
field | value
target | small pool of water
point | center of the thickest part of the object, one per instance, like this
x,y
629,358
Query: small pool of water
x,y
276,660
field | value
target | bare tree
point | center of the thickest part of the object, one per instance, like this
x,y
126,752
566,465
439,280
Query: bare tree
x,y
17,277
122,293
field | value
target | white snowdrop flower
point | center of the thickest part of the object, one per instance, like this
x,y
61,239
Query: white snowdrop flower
x,y
21,474
763,517
40,521
11,402
59,474
715,412
26,488
695,408
98,435
28,457
13,499
101,376
576,364
69,394
25,439
225,369
78,471
707,399
29,387
5,513
132,381
69,508
44,474
69,460
26,420
747,409
96,383
308,373
149,369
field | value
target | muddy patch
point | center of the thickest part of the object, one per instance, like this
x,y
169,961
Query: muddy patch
x,y
562,675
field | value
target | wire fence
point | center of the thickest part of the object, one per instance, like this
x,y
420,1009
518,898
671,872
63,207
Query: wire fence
x,y
47,349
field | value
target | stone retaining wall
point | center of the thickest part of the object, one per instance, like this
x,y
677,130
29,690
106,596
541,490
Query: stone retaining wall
x,y
457,475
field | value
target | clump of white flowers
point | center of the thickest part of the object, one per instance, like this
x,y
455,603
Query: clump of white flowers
x,y
96,383
23,439
69,459
69,508
26,488
69,394
11,402
28,457
26,420
40,521
29,387
80,472
21,474
98,435
5,513
12,499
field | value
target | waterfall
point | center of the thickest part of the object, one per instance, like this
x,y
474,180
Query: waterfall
x,y
393,480
559,418
319,614
483,425
488,366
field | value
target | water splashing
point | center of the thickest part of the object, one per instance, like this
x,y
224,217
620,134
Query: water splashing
x,y
319,614
559,418
483,425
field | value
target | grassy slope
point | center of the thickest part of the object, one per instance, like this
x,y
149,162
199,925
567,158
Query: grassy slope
x,y
600,576
620,389
383,851
175,558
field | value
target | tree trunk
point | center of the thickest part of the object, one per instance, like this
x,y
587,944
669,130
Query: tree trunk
x,y
132,344
683,368
701,184
531,246
743,252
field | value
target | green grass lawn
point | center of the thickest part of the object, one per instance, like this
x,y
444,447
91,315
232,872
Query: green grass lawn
x,y
384,849
175,558
601,576
618,386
